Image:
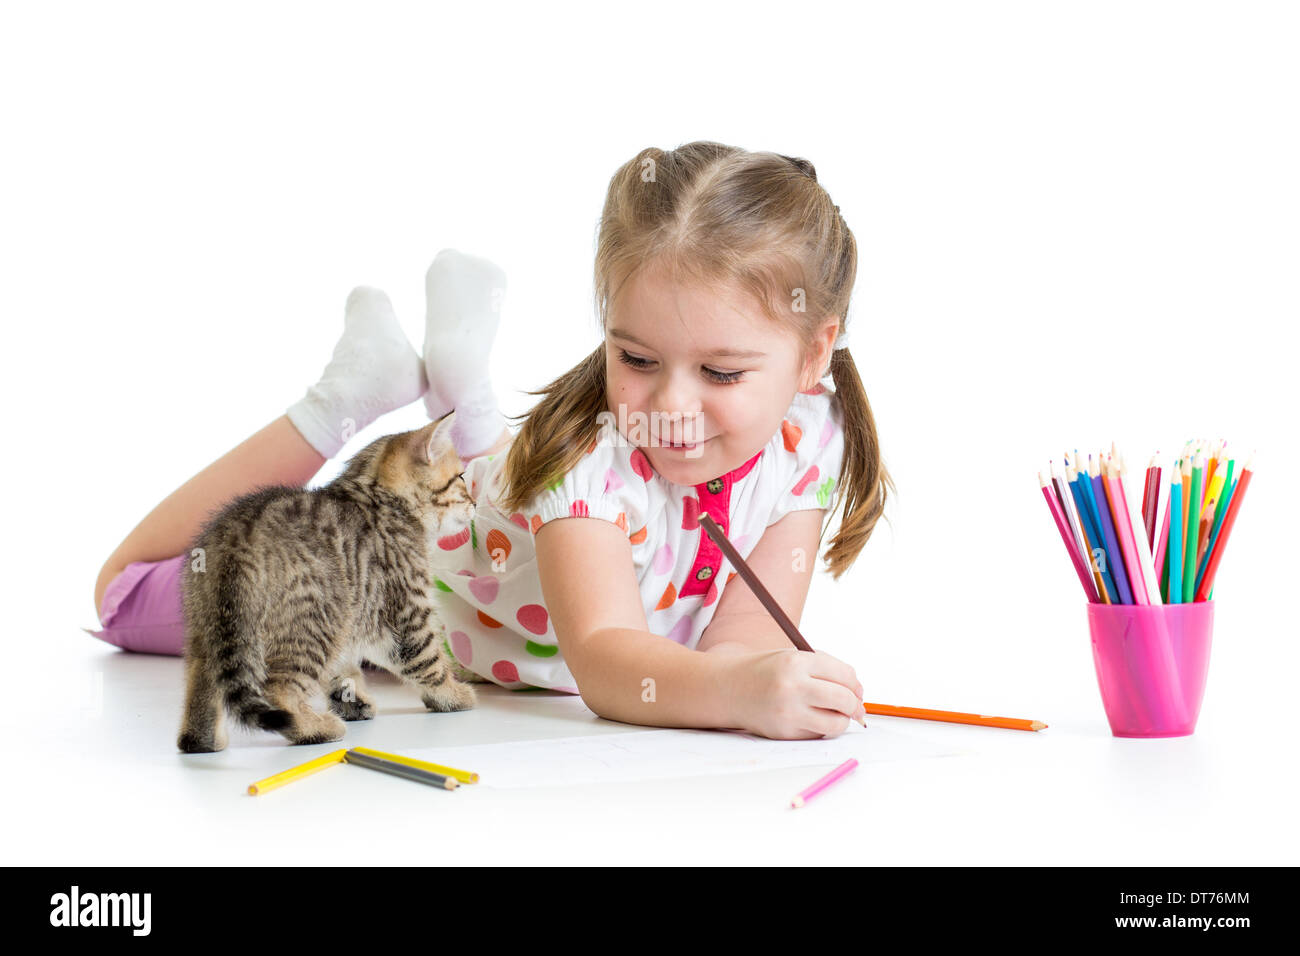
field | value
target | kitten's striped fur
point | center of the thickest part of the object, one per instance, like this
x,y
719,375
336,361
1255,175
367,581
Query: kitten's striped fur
x,y
294,587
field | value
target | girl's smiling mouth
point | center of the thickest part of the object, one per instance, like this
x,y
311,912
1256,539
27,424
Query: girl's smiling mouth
x,y
681,446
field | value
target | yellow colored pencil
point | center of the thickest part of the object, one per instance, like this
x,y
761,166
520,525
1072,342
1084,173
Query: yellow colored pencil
x,y
294,773
1211,469
464,776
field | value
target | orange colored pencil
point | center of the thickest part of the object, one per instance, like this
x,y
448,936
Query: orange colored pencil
x,y
952,717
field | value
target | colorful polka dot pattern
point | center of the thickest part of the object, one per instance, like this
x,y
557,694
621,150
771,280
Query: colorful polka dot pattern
x,y
486,578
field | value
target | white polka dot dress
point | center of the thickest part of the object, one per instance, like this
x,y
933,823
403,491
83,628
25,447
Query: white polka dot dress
x,y
486,581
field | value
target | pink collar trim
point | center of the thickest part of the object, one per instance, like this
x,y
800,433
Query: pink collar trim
x,y
712,497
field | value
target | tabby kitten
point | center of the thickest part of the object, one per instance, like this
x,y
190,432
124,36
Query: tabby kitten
x,y
292,588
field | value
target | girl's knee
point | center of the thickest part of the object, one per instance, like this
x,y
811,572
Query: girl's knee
x,y
139,606
106,576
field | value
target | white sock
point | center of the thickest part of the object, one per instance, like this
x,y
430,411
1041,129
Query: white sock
x,y
463,295
373,371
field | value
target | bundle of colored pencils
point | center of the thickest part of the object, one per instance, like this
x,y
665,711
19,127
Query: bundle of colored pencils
x,y
1115,549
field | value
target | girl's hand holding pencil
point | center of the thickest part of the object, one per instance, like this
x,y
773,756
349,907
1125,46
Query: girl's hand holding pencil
x,y
780,695
791,694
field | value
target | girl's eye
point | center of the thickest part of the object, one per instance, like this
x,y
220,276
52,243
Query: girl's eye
x,y
722,378
631,360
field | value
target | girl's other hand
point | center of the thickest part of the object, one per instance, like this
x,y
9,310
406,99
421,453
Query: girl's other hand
x,y
791,694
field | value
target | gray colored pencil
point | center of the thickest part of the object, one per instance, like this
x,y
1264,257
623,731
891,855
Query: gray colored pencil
x,y
402,770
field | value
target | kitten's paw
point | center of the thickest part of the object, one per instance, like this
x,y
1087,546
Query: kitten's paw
x,y
193,743
318,729
357,709
451,696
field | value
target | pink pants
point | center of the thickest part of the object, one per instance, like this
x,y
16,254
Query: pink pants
x,y
142,608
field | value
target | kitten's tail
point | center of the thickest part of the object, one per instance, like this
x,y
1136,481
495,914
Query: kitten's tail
x,y
241,665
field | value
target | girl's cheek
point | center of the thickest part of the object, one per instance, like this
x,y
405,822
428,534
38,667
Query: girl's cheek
x,y
622,389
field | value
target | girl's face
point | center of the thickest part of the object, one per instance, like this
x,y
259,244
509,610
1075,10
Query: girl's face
x,y
699,378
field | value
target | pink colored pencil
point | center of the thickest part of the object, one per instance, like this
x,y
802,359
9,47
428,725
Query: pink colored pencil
x,y
1124,530
843,770
1140,544
1066,500
1067,536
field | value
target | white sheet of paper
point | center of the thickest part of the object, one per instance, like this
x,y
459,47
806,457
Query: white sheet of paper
x,y
667,754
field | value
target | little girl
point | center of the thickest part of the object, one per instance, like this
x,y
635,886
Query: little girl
x,y
722,278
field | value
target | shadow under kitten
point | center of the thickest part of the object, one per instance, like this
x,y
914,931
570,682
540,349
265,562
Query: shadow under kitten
x,y
290,589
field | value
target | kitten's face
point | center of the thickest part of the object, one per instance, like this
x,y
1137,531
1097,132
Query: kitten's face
x,y
422,466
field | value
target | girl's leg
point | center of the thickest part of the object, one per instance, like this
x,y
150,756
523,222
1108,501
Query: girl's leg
x,y
373,370
463,296
276,455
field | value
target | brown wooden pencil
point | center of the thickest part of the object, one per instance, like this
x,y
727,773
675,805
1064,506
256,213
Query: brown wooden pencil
x,y
1203,532
755,585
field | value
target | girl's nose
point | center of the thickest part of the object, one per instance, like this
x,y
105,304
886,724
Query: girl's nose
x,y
677,406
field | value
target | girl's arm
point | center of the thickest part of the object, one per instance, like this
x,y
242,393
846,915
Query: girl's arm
x,y
623,671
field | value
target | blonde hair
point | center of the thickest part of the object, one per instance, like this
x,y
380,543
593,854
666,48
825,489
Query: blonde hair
x,y
710,213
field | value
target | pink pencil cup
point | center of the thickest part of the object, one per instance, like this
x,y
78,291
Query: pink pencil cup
x,y
1152,661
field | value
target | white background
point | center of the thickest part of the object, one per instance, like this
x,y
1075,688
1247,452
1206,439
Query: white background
x,y
1076,223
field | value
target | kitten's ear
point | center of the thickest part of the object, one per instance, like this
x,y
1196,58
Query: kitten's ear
x,y
421,443
433,441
